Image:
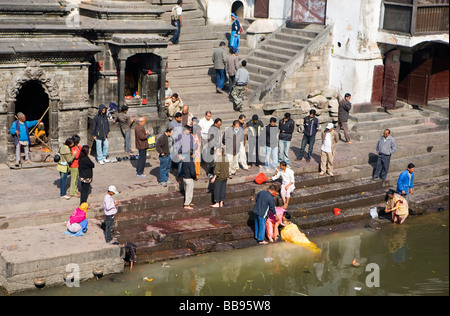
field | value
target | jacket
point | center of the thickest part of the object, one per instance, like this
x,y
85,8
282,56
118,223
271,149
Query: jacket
x,y
386,146
23,130
334,139
188,170
85,168
254,130
286,129
311,126
141,137
66,159
221,169
233,140
404,183
219,58
271,136
232,65
162,145
264,203
100,124
344,110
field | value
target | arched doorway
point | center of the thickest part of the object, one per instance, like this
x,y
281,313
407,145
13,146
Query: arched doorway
x,y
238,9
33,92
33,101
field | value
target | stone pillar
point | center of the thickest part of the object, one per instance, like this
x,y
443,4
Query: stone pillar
x,y
10,118
53,121
162,88
121,94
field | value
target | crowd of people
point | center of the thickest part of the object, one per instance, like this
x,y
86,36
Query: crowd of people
x,y
188,142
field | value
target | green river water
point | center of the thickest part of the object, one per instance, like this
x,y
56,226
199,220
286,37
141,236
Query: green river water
x,y
408,259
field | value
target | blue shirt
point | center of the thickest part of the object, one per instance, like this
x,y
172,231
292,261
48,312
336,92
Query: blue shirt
x,y
23,129
404,182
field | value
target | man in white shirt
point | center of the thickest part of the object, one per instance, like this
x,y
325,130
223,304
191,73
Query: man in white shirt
x,y
329,140
287,182
205,123
176,21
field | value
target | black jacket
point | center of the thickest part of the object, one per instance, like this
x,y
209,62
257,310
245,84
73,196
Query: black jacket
x,y
100,124
272,136
85,167
286,129
311,126
188,170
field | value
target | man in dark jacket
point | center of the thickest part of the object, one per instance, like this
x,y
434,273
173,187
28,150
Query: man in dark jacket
x,y
163,147
272,144
100,131
141,137
188,175
310,128
286,127
256,140
264,203
343,114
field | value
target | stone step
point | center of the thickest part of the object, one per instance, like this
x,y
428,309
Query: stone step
x,y
382,124
400,131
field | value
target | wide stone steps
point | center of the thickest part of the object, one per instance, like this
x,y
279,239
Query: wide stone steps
x,y
163,230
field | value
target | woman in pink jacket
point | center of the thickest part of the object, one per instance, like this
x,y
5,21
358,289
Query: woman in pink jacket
x,y
78,220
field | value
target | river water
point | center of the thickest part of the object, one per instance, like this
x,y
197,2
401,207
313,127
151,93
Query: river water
x,y
408,259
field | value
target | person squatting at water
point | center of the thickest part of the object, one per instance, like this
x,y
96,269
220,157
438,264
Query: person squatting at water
x,y
398,206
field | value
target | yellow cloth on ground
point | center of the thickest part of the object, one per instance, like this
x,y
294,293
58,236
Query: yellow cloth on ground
x,y
291,233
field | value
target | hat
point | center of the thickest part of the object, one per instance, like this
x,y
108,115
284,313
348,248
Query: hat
x,y
330,125
84,207
113,189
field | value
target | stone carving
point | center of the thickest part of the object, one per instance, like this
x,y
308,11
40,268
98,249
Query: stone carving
x,y
33,71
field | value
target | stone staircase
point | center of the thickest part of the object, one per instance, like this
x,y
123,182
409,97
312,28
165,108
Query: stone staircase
x,y
163,230
190,69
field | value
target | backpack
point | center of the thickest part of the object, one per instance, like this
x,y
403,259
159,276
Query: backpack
x,y
174,14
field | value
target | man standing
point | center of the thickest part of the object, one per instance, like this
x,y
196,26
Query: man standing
x,y
100,131
310,128
176,21
186,118
240,86
219,59
163,146
242,156
20,131
264,203
256,140
329,140
214,143
286,126
232,68
125,123
141,136
233,139
405,182
272,144
343,113
386,146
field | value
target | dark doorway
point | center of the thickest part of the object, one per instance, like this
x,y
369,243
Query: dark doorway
x,y
33,101
261,9
238,9
391,79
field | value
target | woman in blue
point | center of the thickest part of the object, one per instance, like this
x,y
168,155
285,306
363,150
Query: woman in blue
x,y
235,32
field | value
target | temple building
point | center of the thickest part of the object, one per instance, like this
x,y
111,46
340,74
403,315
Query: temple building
x,y
59,60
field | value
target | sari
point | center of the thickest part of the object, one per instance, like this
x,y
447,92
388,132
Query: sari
x,y
292,234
